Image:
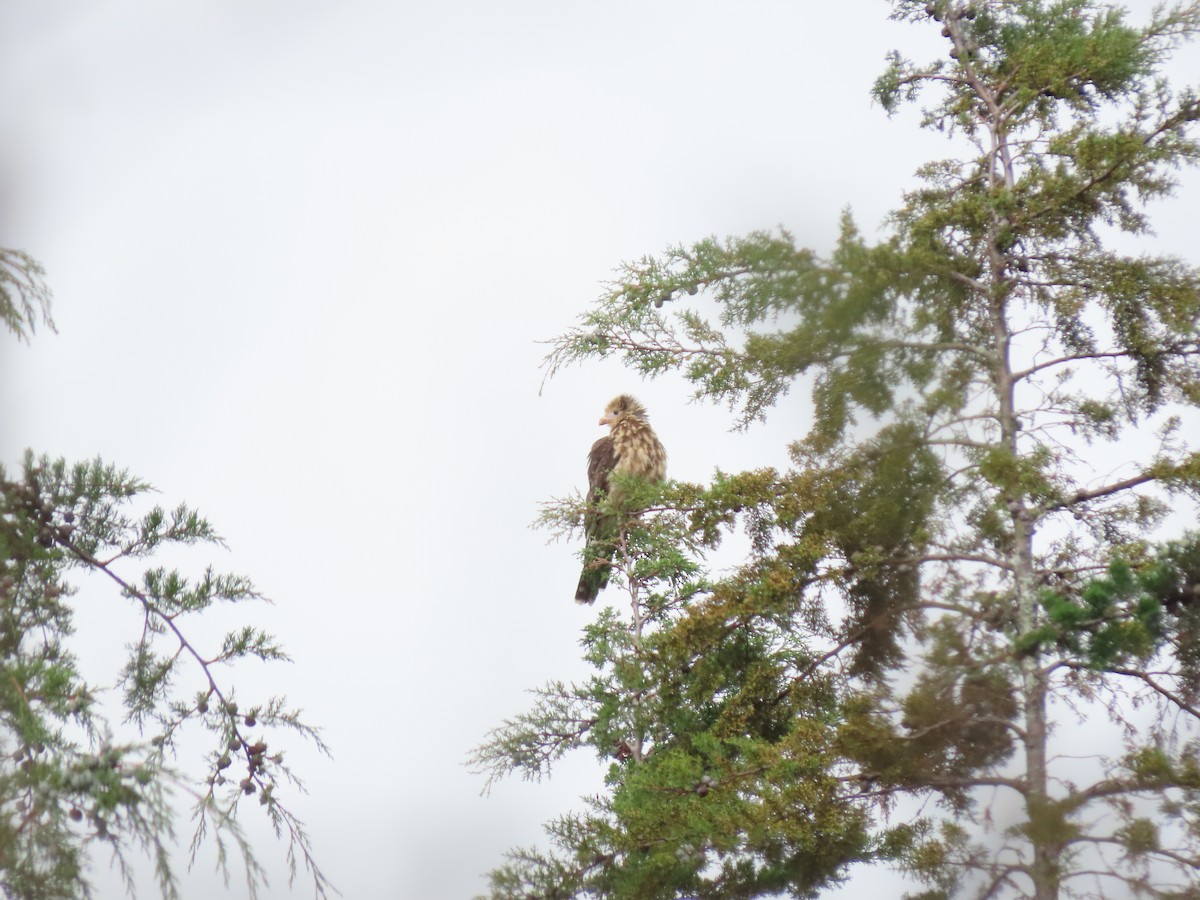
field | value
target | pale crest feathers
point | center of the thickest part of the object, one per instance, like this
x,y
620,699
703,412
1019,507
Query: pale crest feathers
x,y
627,405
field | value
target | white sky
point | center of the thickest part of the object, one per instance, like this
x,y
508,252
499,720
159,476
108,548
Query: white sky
x,y
301,256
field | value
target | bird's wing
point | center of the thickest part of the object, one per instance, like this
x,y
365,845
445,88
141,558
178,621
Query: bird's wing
x,y
602,459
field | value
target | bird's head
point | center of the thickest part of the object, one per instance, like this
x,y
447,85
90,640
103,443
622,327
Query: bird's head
x,y
619,408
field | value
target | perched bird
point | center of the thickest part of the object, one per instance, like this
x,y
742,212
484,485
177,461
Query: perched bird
x,y
630,448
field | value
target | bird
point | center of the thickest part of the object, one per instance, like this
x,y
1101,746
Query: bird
x,y
630,448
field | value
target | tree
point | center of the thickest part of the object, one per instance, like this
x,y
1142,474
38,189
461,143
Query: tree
x,y
68,783
949,577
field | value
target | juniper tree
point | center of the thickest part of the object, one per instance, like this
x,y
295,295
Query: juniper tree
x,y
962,561
71,782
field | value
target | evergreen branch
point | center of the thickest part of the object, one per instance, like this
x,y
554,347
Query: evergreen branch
x,y
1188,862
929,346
1002,878
949,783
960,557
255,782
24,295
533,741
1146,678
1022,374
1105,491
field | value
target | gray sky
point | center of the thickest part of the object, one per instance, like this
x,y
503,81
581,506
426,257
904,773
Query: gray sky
x,y
302,254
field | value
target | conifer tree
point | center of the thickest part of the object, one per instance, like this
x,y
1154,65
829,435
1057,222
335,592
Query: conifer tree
x,y
75,786
964,561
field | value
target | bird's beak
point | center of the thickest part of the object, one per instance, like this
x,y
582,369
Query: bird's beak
x,y
606,419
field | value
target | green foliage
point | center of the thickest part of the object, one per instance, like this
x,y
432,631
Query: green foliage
x,y
65,784
1127,616
24,297
948,563
718,753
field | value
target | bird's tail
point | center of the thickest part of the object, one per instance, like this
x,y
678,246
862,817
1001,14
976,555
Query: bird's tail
x,y
594,577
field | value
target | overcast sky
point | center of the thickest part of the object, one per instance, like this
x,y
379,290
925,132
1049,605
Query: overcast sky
x,y
302,255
